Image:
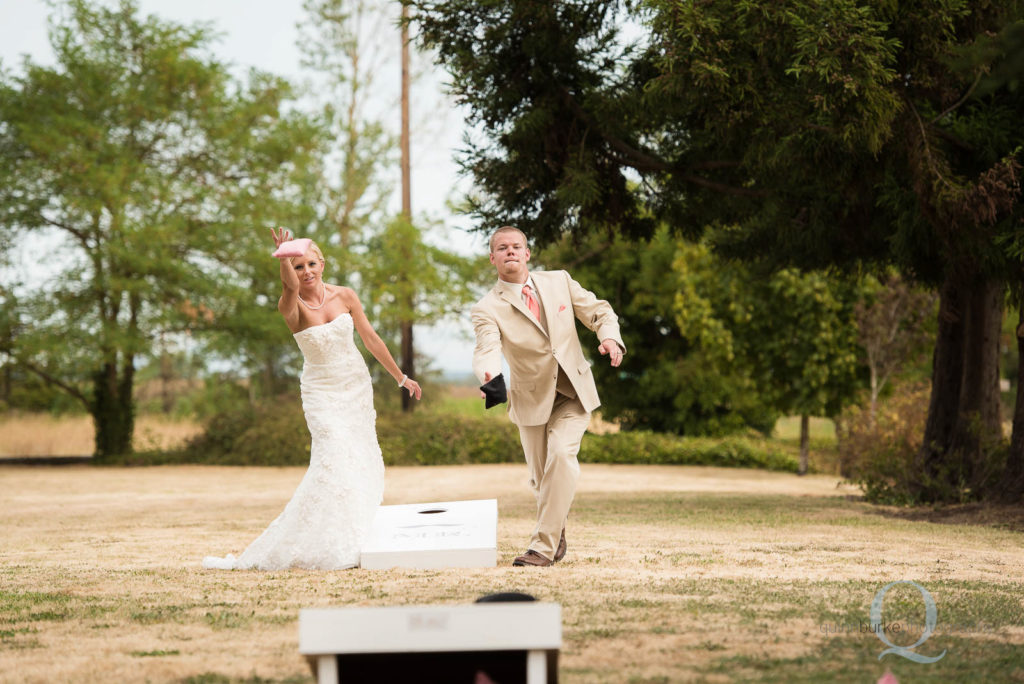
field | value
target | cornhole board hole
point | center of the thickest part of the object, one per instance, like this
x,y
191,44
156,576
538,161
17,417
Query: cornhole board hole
x,y
508,642
446,534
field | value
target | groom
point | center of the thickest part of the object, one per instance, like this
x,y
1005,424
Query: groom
x,y
530,318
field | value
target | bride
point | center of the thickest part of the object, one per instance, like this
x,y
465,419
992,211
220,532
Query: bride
x,y
324,524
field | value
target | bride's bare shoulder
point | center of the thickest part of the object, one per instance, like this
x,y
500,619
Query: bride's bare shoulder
x,y
346,293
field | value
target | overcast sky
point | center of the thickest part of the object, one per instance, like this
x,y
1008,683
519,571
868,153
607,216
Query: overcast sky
x,y
262,34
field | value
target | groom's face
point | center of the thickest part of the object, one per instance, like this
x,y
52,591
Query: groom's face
x,y
510,255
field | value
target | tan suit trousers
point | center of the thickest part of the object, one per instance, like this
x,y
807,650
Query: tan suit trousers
x,y
550,451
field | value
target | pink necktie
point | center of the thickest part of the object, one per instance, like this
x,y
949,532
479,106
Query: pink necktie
x,y
531,303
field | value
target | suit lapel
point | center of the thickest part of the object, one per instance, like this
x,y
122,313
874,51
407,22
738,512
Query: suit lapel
x,y
550,311
516,300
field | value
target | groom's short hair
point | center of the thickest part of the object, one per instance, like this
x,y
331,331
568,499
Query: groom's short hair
x,y
506,229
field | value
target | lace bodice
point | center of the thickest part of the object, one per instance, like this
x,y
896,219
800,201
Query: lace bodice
x,y
329,343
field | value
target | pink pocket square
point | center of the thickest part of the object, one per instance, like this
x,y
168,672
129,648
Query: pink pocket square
x,y
561,308
293,248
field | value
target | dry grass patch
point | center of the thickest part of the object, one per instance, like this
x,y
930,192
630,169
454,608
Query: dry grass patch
x,y
40,434
673,574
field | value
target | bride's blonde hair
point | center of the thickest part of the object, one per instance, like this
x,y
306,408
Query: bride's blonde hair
x,y
316,248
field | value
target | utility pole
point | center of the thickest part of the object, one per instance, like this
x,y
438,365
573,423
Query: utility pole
x,y
408,352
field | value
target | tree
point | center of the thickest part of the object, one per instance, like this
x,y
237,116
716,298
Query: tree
x,y
413,280
341,43
345,46
796,333
148,168
680,373
717,346
892,329
824,133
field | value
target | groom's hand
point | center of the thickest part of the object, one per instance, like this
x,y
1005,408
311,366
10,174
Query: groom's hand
x,y
487,379
611,348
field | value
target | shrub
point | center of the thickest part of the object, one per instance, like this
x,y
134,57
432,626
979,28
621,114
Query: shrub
x,y
662,449
432,439
265,434
882,455
879,453
276,435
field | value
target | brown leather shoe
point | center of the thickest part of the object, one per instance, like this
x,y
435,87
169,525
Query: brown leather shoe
x,y
562,546
531,557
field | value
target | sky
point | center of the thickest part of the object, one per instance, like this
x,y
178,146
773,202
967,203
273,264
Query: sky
x,y
263,34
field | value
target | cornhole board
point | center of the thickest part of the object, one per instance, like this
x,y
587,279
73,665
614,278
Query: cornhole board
x,y
445,534
510,642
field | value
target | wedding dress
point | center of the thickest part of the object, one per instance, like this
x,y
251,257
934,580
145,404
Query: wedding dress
x,y
326,521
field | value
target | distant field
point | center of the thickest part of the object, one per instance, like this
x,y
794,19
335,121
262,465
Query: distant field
x,y
40,434
822,431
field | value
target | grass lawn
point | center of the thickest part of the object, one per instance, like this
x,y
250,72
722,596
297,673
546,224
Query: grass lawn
x,y
673,574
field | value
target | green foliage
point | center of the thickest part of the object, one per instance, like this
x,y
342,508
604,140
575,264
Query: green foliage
x,y
23,391
532,76
391,261
673,378
660,449
426,439
715,346
265,434
407,278
275,434
799,336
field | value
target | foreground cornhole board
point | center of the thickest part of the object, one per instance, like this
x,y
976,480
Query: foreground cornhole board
x,y
509,642
445,534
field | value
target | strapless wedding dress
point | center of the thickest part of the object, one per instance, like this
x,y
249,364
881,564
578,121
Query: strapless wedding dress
x,y
326,521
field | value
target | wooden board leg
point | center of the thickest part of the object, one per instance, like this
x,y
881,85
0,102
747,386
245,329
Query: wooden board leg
x,y
536,667
327,669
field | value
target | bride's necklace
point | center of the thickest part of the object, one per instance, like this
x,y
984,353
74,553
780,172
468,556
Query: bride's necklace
x,y
323,298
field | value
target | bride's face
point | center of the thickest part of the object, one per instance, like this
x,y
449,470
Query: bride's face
x,y
309,267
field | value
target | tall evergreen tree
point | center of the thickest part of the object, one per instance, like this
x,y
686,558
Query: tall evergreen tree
x,y
827,132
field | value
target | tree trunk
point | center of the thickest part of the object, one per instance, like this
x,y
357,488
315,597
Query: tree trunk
x,y
873,406
947,376
269,377
963,412
113,411
979,424
805,430
166,377
1013,477
408,363
8,383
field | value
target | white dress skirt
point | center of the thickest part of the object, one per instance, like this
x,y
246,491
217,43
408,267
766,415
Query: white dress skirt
x,y
324,524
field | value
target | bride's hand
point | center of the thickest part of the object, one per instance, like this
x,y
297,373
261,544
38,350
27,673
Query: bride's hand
x,y
284,236
414,388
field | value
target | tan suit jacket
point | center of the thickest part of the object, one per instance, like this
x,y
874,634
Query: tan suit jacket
x,y
535,350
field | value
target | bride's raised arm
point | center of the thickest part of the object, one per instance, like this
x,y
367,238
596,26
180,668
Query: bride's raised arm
x,y
375,345
288,304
